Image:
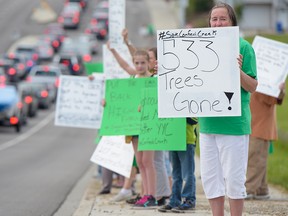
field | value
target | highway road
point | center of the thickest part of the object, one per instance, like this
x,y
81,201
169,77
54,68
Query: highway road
x,y
40,166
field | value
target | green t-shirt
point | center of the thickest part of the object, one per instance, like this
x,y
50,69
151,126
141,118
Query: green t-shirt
x,y
236,125
191,131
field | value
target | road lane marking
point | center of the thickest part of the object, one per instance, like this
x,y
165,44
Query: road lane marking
x,y
29,133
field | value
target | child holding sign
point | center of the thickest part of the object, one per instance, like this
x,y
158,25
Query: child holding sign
x,y
183,195
224,140
163,189
145,159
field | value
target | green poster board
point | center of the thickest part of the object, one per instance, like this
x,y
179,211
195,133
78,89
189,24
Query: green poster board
x,y
159,133
96,67
123,97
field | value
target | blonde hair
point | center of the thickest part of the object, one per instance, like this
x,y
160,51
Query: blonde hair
x,y
141,53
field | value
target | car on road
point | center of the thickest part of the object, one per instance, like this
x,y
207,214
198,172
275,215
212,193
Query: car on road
x,y
30,52
98,29
45,50
70,15
100,17
72,61
3,78
29,97
15,65
13,112
83,3
84,45
49,76
55,34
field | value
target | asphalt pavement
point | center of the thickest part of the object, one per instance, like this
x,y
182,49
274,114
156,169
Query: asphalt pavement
x,y
164,16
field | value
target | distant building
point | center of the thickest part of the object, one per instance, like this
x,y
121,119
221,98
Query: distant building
x,y
263,15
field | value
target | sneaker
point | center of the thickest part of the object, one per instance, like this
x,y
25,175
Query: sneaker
x,y
133,200
146,201
103,192
162,201
165,208
122,196
249,196
186,205
262,197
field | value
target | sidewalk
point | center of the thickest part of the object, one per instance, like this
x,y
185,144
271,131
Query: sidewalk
x,y
164,16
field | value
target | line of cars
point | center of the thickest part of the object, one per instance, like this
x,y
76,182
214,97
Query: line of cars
x,y
70,17
21,100
29,74
28,82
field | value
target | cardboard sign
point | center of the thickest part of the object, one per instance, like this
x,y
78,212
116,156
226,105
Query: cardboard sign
x,y
112,69
159,134
272,65
198,72
117,13
114,154
79,102
123,97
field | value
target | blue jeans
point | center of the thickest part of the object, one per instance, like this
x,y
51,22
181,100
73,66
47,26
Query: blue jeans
x,y
183,167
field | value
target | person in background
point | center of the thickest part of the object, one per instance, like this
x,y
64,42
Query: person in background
x,y
264,130
163,189
183,195
128,189
107,180
224,140
144,159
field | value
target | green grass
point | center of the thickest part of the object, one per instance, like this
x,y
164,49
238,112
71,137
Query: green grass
x,y
278,160
277,165
282,118
280,37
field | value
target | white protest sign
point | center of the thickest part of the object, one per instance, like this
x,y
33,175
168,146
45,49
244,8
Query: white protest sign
x,y
272,65
112,69
198,72
79,102
114,154
117,12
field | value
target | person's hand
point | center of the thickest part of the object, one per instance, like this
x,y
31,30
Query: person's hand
x,y
240,61
155,67
108,45
125,35
91,77
282,91
103,102
282,86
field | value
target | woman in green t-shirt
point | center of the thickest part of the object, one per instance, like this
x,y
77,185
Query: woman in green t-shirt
x,y
224,140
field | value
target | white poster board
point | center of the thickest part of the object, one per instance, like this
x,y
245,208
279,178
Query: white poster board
x,y
272,64
117,12
112,69
198,72
114,154
79,102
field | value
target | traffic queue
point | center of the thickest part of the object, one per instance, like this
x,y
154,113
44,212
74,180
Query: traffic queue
x,y
30,70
